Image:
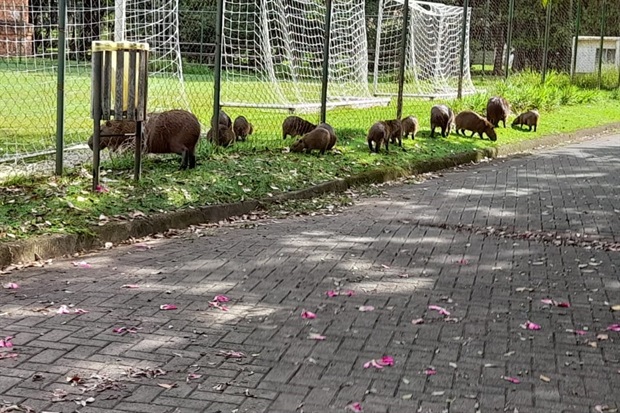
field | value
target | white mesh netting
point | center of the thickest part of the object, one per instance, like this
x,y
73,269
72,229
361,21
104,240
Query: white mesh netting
x,y
432,65
29,65
279,45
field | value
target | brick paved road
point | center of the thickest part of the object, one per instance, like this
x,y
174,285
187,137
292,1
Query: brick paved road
x,y
491,283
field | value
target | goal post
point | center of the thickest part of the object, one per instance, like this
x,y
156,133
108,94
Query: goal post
x,y
275,49
433,50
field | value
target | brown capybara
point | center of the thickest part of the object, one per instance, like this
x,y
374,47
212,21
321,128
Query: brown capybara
x,y
225,136
332,134
378,134
319,139
441,117
498,110
410,125
223,119
242,128
296,126
529,118
468,120
395,131
172,131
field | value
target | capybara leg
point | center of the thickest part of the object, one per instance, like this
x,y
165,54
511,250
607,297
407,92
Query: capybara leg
x,y
322,151
443,132
504,120
370,146
184,159
433,132
192,160
387,146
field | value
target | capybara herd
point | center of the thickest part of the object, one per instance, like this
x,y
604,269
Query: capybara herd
x,y
178,131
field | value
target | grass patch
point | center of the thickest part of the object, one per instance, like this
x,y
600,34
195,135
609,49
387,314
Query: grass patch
x,y
261,167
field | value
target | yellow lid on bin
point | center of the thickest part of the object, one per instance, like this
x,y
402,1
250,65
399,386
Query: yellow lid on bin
x,y
107,45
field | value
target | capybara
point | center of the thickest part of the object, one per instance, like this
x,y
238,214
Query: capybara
x,y
242,128
296,126
529,118
223,119
410,125
332,134
225,136
319,139
468,120
395,131
172,131
498,109
441,117
378,134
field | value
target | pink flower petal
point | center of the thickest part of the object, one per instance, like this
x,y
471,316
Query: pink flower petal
x,y
349,293
316,336
11,286
530,326
63,310
193,376
120,330
513,380
307,315
221,299
372,363
79,311
230,354
387,361
430,372
167,307
581,332
82,264
215,304
441,310
564,304
462,261
143,246
130,286
547,301
355,407
6,343
101,189
417,321
331,293
7,355
614,327
365,308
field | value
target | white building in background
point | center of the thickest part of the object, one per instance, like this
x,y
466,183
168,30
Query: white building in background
x,y
588,53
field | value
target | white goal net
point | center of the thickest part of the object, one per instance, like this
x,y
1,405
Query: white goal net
x,y
29,64
278,44
433,50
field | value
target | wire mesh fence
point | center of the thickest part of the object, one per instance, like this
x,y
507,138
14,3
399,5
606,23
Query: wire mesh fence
x,y
272,60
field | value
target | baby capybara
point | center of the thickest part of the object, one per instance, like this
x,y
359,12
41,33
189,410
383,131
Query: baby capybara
x,y
296,126
410,125
223,119
529,118
378,134
441,117
468,120
319,139
498,110
395,131
332,134
172,131
242,128
225,136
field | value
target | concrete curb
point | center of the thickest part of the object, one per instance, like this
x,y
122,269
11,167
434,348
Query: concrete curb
x,y
50,246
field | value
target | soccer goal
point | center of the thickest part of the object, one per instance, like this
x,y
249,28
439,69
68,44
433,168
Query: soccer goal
x,y
272,54
433,50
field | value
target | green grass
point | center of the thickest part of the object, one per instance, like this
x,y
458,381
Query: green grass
x,y
260,167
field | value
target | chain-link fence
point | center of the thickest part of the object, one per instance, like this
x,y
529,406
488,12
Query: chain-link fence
x,y
272,60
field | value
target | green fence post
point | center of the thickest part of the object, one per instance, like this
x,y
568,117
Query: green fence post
x,y
576,41
546,44
217,75
511,17
463,39
325,76
600,54
60,86
403,60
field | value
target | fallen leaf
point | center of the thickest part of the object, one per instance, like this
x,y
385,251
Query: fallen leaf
x,y
193,376
615,307
366,308
513,380
143,246
11,286
355,407
8,355
530,326
307,315
593,344
545,378
602,336
130,286
230,354
167,386
439,309
430,371
407,396
453,365
417,321
167,307
82,264
438,393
